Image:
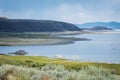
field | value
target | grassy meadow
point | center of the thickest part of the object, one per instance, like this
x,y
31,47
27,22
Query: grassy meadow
x,y
40,61
43,68
55,72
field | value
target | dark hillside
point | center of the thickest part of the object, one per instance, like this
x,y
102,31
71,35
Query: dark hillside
x,y
24,25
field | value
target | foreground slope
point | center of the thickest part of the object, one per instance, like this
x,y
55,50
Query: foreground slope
x,y
55,72
39,61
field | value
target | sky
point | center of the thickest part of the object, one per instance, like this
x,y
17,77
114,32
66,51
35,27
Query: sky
x,y
72,11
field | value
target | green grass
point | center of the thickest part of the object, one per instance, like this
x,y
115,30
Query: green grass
x,y
39,61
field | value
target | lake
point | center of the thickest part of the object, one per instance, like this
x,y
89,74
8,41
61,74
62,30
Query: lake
x,y
102,48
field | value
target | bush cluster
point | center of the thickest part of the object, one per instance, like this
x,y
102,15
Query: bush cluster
x,y
54,72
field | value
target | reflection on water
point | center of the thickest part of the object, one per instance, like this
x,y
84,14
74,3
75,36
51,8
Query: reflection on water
x,y
102,48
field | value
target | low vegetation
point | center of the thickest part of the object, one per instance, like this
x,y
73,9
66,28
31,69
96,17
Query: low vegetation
x,y
35,35
26,35
55,72
39,62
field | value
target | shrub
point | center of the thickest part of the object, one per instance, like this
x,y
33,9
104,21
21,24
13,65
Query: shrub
x,y
55,72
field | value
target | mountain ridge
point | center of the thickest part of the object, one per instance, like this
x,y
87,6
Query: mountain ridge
x,y
112,24
28,25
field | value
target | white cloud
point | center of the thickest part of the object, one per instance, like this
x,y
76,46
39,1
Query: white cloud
x,y
73,13
67,12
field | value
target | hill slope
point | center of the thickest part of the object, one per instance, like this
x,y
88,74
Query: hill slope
x,y
24,25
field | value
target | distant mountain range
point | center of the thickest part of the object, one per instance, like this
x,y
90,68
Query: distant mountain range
x,y
98,28
114,25
24,25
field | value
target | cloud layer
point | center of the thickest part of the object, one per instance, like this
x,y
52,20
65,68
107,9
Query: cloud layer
x,y
72,12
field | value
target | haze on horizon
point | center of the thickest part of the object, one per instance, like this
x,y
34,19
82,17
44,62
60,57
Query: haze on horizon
x,y
73,11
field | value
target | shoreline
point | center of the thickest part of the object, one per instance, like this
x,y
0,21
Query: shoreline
x,y
101,32
36,42
52,39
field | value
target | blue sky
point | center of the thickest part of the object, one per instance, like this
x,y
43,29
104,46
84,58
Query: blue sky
x,y
73,11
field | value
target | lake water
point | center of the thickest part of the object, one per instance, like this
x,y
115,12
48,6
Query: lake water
x,y
102,48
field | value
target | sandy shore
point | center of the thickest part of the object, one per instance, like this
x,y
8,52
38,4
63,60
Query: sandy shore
x,y
69,33
101,32
87,32
27,41
13,41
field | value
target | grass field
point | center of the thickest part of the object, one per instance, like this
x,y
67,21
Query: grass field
x,y
39,62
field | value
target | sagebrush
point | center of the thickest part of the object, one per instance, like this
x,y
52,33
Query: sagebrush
x,y
55,72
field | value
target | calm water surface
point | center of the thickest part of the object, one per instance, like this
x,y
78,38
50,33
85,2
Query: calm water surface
x,y
102,48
